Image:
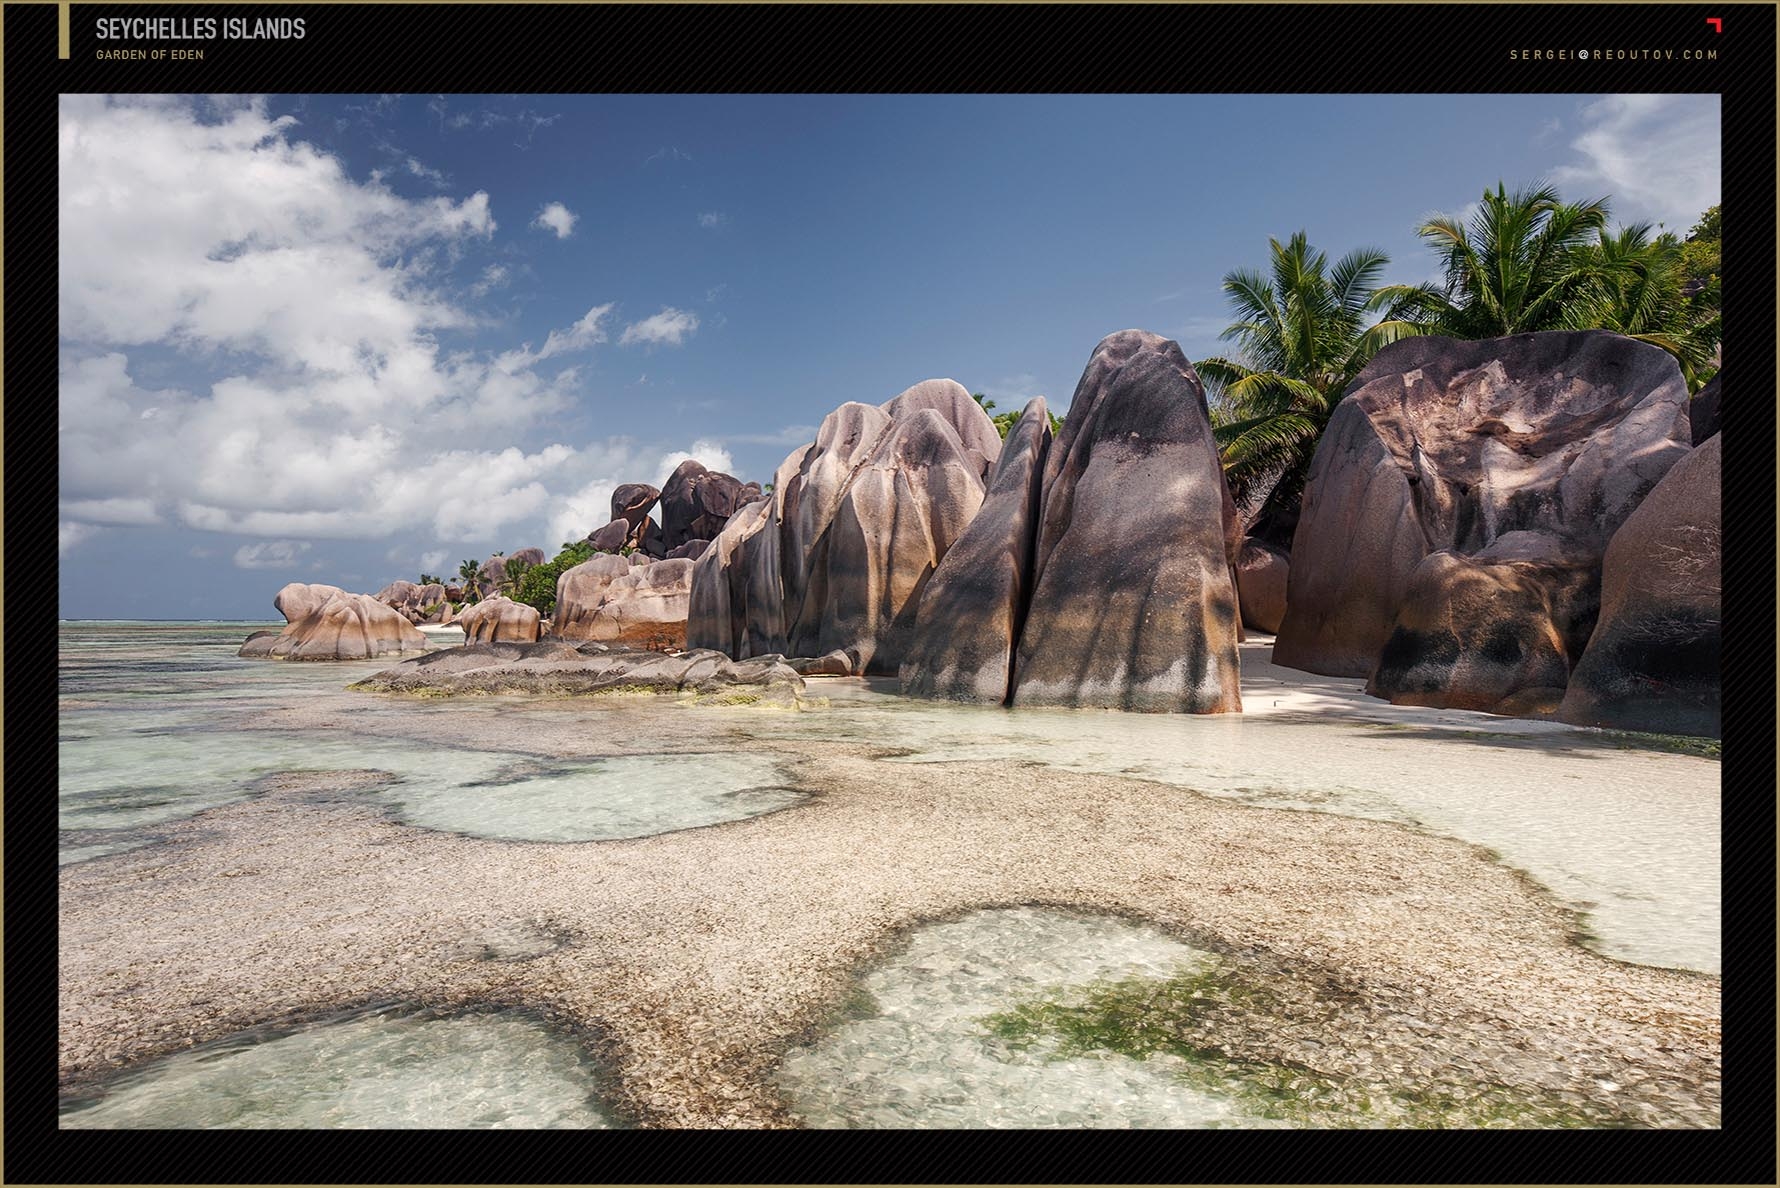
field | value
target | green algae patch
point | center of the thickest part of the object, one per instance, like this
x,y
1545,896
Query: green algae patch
x,y
1186,1020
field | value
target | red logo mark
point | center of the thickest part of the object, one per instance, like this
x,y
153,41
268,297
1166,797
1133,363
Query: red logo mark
x,y
1717,24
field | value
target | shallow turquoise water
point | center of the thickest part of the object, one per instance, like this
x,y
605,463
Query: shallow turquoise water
x,y
386,1069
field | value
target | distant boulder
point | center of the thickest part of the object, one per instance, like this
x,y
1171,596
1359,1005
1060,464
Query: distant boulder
x,y
327,623
632,503
1653,660
1261,585
692,550
974,606
1518,458
500,619
696,503
612,537
1133,604
644,608
579,592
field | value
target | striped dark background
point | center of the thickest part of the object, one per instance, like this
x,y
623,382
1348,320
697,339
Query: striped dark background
x,y
1063,48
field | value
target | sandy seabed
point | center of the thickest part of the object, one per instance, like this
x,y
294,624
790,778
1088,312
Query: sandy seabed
x,y
694,961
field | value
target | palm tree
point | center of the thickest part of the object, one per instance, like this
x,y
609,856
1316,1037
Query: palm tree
x,y
1641,289
469,570
1303,334
1518,266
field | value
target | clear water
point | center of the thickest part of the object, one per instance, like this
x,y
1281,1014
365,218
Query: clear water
x,y
161,721
130,761
923,1057
384,1070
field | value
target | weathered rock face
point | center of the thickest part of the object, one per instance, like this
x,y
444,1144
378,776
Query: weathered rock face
x,y
645,608
1702,411
692,550
1133,604
1495,630
1519,457
500,619
1261,585
844,443
696,503
952,401
722,611
1653,660
418,604
974,606
612,537
632,503
531,556
900,515
579,592
553,667
334,626
299,599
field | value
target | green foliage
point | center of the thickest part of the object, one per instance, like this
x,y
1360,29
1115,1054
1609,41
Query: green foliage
x,y
1303,331
536,584
1518,265
1004,422
469,571
429,579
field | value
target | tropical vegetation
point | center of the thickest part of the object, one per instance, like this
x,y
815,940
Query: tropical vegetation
x,y
536,586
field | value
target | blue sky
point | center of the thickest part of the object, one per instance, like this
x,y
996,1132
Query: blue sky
x,y
343,339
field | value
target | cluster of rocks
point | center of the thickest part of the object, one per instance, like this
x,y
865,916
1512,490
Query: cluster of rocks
x,y
1099,572
1527,526
1492,525
558,668
835,561
327,623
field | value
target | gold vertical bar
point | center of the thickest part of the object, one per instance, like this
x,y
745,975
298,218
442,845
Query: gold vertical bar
x,y
62,29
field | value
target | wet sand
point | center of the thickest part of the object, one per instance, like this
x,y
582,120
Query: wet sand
x,y
697,958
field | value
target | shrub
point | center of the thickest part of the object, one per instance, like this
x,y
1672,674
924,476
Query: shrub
x,y
537,584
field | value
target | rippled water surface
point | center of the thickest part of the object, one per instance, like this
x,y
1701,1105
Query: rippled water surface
x,y
384,1070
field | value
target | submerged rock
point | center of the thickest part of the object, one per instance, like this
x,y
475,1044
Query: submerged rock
x,y
975,604
1133,603
1653,660
327,623
1517,459
559,668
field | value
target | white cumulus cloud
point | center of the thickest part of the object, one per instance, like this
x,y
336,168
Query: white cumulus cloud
x,y
558,218
71,533
670,327
709,454
1658,157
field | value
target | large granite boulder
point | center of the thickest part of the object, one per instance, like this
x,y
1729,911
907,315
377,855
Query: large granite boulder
x,y
1261,574
1518,458
723,611
632,503
612,537
899,517
327,623
530,556
1133,603
645,608
809,498
299,599
579,592
974,606
692,550
696,503
500,619
1702,411
952,401
1653,660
